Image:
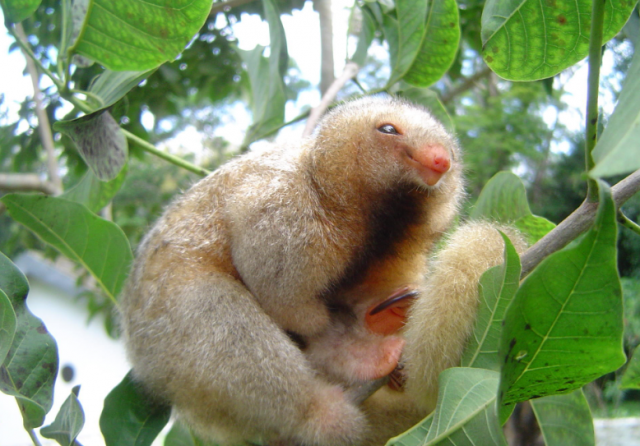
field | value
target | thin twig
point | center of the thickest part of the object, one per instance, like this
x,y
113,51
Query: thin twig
x,y
350,71
575,224
44,127
34,437
467,84
25,182
327,70
24,46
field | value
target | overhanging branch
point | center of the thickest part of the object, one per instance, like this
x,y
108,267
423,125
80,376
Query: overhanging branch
x,y
575,224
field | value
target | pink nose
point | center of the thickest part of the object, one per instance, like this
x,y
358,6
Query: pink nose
x,y
434,161
436,158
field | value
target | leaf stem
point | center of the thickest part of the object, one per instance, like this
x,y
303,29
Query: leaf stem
x,y
628,223
595,60
164,155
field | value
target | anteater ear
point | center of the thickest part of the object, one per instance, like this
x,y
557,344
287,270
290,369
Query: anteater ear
x,y
390,315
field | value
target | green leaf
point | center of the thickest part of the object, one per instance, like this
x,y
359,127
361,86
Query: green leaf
x,y
465,414
390,27
564,327
137,35
100,142
565,419
411,28
439,45
7,325
533,227
430,100
365,37
130,417
631,377
93,193
30,367
77,12
99,245
497,287
17,10
527,40
68,423
504,199
266,78
617,150
111,86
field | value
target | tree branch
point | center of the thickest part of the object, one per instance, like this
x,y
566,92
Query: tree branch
x,y
575,224
350,71
25,182
44,127
327,69
467,84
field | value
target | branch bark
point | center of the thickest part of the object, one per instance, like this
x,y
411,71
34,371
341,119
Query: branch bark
x,y
350,71
327,69
575,224
44,127
25,182
467,84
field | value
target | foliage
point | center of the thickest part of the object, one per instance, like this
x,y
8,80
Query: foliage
x,y
533,340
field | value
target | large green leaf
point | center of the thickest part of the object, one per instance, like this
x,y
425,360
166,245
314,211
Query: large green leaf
x,y
497,287
268,96
7,325
564,327
130,417
100,142
465,414
111,86
504,199
439,46
527,40
17,10
424,40
138,35
68,423
99,245
74,13
92,192
31,364
411,27
631,377
365,37
618,149
565,419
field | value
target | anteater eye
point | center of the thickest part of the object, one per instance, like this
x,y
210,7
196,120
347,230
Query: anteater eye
x,y
388,129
